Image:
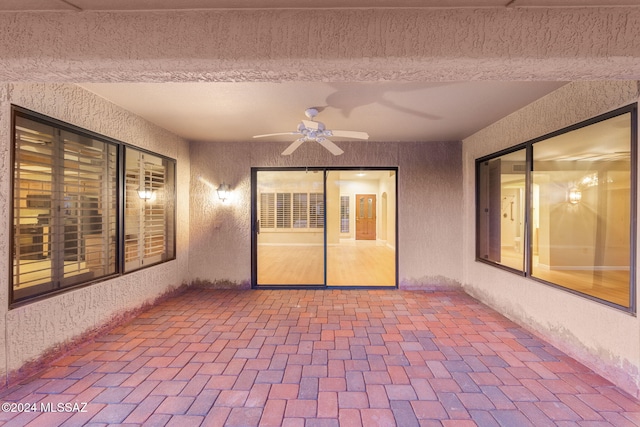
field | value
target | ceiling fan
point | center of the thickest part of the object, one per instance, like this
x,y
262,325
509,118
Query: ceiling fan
x,y
311,130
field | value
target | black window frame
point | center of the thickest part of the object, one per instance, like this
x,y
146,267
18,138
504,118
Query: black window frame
x,y
18,111
631,109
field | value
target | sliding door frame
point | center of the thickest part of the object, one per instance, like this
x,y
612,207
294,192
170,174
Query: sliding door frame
x,y
255,216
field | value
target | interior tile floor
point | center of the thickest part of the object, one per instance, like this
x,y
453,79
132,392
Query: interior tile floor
x,y
317,358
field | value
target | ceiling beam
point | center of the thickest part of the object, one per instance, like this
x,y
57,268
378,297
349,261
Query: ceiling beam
x,y
326,45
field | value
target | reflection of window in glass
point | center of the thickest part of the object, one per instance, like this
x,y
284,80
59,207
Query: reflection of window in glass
x,y
501,208
64,208
344,214
149,209
582,203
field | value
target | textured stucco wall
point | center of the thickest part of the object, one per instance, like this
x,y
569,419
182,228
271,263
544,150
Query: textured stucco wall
x,y
429,211
334,45
34,329
6,234
604,338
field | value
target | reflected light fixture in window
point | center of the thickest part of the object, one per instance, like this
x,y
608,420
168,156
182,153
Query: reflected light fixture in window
x,y
145,194
575,195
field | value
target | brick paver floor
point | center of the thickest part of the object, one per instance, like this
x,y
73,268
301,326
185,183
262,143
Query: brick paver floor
x,y
318,358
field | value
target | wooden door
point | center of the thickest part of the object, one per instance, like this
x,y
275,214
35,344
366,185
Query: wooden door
x,y
365,217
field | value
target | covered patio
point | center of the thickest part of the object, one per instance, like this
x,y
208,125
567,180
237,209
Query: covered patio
x,y
317,358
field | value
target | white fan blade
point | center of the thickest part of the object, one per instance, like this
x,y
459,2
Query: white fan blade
x,y
350,134
311,125
294,145
276,134
335,150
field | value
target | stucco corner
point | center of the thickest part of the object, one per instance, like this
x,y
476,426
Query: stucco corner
x,y
4,92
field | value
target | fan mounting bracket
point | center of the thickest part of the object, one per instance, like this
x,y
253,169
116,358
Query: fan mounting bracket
x,y
311,112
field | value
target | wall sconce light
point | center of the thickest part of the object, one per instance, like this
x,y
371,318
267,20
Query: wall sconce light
x,y
575,195
223,191
145,194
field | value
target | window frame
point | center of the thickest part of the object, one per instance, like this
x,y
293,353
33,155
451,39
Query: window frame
x,y
119,146
525,243
632,110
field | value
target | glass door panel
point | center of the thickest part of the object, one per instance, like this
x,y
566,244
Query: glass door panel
x,y
361,228
290,228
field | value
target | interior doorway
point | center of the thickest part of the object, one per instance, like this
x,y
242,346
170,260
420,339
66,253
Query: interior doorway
x,y
323,227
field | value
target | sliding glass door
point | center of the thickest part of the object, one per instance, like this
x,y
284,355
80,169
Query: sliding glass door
x,y
324,227
290,227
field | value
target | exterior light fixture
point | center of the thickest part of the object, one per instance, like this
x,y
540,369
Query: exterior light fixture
x,y
575,195
223,191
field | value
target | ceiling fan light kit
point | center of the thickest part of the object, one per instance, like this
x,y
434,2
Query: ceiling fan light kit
x,y
311,130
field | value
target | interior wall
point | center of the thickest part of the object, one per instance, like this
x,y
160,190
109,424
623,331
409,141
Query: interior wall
x,y
429,205
606,339
31,330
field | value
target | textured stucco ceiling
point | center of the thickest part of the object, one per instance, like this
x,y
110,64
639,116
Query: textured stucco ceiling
x,y
88,5
398,74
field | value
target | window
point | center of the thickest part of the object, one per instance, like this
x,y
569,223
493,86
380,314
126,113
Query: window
x,y
501,197
300,210
291,210
580,189
64,213
283,210
66,207
149,209
267,210
344,214
316,210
